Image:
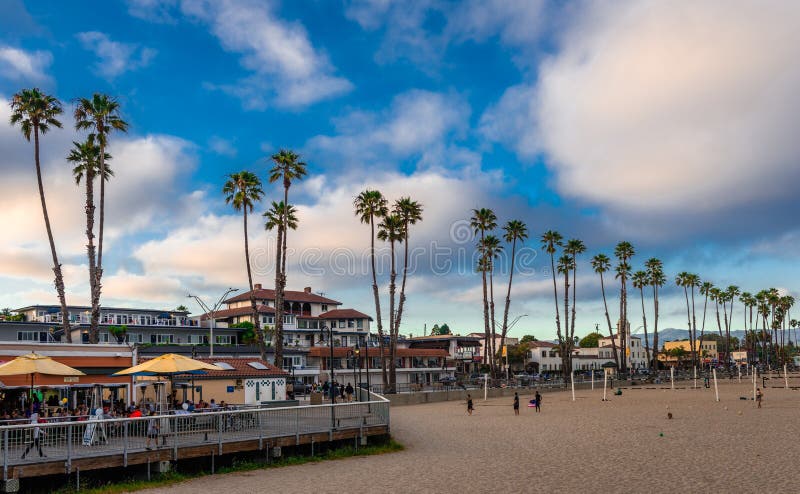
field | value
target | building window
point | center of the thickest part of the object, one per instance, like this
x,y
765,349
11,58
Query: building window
x,y
333,324
342,323
32,336
351,323
544,354
359,323
225,339
288,319
103,337
324,307
161,338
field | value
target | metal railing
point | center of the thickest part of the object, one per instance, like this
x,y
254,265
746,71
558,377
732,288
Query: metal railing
x,y
66,441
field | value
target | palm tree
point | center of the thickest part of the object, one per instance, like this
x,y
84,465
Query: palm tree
x,y
745,298
36,112
640,280
573,248
655,274
101,116
391,230
287,168
551,240
693,281
242,190
601,264
490,249
484,220
86,157
565,266
275,218
410,212
623,252
369,205
730,296
705,289
515,231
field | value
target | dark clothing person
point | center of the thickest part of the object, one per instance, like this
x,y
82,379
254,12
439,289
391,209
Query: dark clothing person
x,y
37,435
470,408
516,404
538,399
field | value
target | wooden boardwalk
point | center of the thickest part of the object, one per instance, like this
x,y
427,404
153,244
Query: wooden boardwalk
x,y
92,445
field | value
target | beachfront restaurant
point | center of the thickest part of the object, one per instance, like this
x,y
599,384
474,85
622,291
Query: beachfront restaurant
x,y
93,389
243,381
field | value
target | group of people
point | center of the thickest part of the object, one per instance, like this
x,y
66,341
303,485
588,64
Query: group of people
x,y
335,390
536,403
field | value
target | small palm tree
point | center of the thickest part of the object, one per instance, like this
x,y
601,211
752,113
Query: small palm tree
x,y
515,231
565,266
655,273
86,157
36,113
601,264
551,240
640,280
573,248
490,249
391,230
370,205
101,116
287,168
410,212
242,191
623,252
484,220
705,290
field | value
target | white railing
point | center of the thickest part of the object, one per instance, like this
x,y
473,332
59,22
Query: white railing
x,y
66,441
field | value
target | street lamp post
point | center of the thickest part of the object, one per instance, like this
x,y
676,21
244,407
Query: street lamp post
x,y
357,352
331,390
212,312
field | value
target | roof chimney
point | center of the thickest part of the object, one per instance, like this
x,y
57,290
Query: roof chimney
x,y
257,286
307,289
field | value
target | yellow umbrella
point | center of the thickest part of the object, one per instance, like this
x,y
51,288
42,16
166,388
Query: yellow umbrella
x,y
167,365
33,363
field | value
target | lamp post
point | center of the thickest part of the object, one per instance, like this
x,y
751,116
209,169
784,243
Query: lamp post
x,y
357,353
212,312
331,391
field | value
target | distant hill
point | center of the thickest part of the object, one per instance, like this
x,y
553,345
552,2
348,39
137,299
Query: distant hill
x,y
673,334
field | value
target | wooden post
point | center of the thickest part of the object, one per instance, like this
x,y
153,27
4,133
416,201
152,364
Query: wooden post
x,y
695,376
592,379
572,381
716,390
739,367
672,377
785,377
485,386
755,380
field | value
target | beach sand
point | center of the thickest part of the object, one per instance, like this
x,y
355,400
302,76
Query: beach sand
x,y
586,445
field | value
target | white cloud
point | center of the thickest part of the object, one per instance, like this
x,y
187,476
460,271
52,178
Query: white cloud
x,y
396,132
153,10
409,33
222,146
20,65
115,57
286,69
659,107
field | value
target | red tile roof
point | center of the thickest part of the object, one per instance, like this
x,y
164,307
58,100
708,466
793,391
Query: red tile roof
x,y
239,311
540,344
338,352
241,369
289,296
344,314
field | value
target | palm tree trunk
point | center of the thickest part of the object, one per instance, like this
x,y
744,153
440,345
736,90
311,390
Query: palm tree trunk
x,y
608,320
94,329
566,352
487,347
644,323
574,301
262,345
504,329
278,362
92,255
402,299
377,303
703,327
655,327
59,277
688,319
393,328
693,331
555,298
621,330
727,334
491,315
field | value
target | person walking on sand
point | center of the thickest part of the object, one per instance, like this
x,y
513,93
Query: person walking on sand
x,y
538,399
759,395
469,405
516,404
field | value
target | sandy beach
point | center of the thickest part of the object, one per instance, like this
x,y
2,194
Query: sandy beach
x,y
626,444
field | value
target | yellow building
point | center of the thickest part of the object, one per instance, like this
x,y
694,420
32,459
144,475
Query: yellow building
x,y
708,352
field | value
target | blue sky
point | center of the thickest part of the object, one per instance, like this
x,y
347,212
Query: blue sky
x,y
667,125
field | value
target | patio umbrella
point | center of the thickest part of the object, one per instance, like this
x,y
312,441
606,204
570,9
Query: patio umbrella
x,y
33,363
168,364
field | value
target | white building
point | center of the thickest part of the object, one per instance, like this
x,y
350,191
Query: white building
x,y
636,355
543,357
